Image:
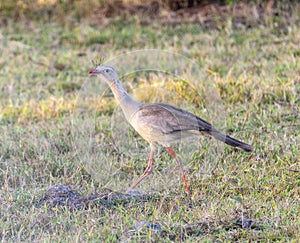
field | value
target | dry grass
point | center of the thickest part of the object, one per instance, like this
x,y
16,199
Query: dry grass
x,y
60,126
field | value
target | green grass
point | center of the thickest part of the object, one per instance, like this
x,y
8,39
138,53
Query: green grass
x,y
256,73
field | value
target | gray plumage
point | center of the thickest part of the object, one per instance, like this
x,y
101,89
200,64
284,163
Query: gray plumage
x,y
160,123
163,124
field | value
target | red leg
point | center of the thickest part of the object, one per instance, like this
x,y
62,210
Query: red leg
x,y
147,170
179,162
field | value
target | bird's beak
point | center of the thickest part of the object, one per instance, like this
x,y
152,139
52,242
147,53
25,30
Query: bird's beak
x,y
92,71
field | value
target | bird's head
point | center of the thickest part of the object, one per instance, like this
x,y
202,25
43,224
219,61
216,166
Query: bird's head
x,y
108,73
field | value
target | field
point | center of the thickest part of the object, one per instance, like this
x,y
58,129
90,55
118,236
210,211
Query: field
x,y
60,126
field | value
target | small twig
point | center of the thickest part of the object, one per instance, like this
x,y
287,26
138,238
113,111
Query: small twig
x,y
292,170
38,63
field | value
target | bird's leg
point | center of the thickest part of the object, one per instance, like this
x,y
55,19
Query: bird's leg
x,y
179,162
148,169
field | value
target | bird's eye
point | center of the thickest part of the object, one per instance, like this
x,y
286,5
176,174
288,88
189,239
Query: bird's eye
x,y
106,70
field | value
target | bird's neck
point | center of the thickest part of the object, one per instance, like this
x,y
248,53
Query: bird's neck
x,y
118,91
127,103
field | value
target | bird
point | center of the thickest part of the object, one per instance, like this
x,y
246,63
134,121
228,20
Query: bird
x,y
161,124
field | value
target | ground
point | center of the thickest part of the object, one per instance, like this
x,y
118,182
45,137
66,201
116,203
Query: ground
x,y
67,157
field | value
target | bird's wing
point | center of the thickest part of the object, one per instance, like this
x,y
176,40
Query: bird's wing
x,y
153,121
168,119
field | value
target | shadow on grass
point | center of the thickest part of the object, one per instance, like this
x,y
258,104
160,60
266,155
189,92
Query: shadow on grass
x,y
61,196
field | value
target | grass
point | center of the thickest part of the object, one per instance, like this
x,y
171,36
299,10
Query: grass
x,y
49,106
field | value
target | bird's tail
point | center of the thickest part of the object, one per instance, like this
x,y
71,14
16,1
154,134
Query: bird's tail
x,y
231,141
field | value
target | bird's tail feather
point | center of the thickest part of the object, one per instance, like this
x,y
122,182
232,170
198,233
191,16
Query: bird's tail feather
x,y
231,141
